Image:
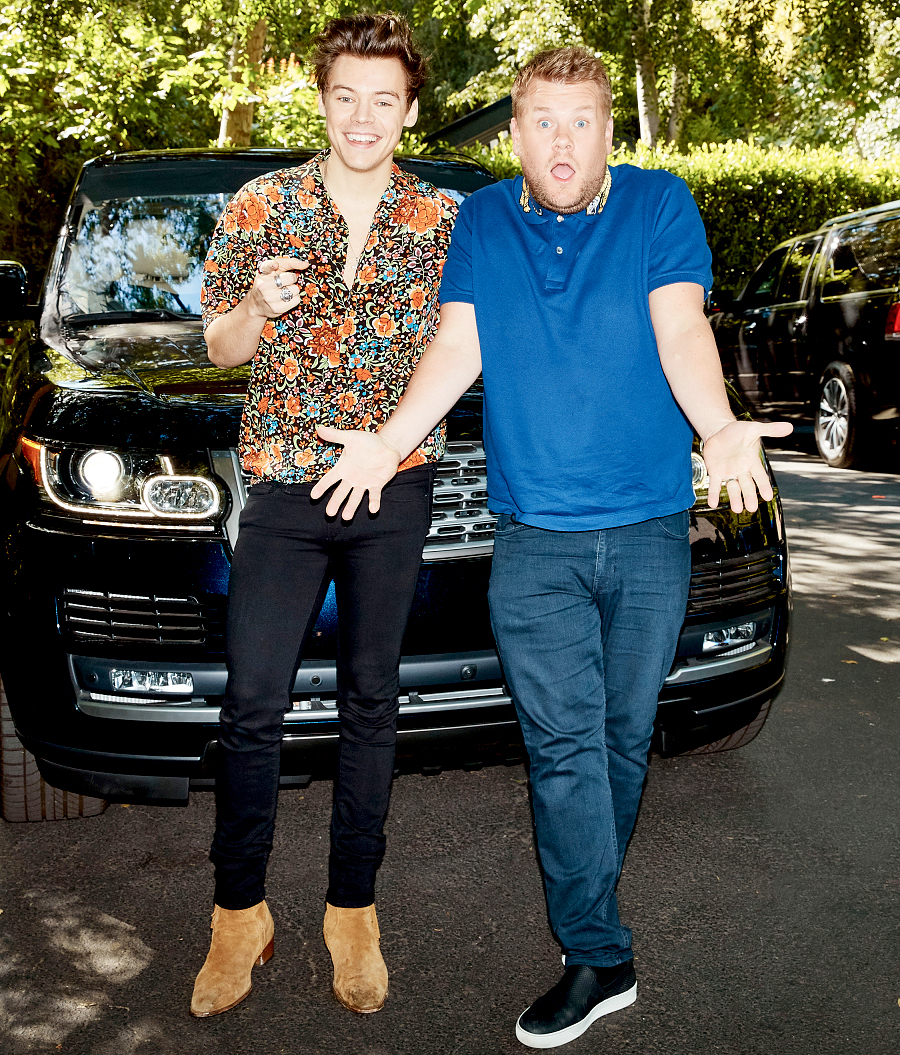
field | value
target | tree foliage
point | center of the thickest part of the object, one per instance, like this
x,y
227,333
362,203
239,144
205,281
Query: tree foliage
x,y
788,72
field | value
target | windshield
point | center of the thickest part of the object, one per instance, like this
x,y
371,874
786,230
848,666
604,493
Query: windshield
x,y
143,254
140,254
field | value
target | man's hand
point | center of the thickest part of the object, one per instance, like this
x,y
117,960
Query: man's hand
x,y
275,287
733,460
367,464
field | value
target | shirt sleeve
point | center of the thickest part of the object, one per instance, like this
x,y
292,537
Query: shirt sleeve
x,y
234,253
678,249
456,282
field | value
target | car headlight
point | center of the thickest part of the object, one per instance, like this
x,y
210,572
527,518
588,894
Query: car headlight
x,y
125,485
100,473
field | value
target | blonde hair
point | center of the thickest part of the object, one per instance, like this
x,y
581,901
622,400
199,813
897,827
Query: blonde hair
x,y
563,66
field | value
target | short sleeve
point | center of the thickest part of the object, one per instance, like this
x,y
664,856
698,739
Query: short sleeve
x,y
678,249
456,281
231,262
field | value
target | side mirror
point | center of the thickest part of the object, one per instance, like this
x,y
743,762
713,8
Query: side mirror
x,y
13,303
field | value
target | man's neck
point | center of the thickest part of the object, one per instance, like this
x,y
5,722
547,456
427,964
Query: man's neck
x,y
355,190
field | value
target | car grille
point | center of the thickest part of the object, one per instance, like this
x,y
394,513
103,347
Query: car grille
x,y
752,579
461,524
460,515
99,616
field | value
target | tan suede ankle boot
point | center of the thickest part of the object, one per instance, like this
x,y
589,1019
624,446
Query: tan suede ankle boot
x,y
360,976
241,940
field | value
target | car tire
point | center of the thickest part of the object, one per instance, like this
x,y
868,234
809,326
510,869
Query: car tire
x,y
24,794
839,425
739,738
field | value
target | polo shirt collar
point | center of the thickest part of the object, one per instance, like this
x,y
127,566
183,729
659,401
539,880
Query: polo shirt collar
x,y
534,213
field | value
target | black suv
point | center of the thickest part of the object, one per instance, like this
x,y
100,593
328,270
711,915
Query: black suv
x,y
121,491
813,335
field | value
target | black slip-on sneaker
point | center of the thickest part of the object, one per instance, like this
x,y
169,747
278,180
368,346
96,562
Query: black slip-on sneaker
x,y
578,999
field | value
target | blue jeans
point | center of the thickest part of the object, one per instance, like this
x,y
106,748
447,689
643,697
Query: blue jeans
x,y
587,624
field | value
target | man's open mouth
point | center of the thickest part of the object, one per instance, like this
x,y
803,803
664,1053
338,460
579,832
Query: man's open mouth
x,y
562,172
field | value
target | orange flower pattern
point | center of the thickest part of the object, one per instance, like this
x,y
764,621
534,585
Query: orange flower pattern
x,y
341,357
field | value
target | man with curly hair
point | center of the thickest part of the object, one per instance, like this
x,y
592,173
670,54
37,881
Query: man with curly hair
x,y
325,278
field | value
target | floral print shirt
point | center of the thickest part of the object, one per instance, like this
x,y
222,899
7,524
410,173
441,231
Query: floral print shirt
x,y
342,356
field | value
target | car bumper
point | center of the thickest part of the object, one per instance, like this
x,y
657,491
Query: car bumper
x,y
438,725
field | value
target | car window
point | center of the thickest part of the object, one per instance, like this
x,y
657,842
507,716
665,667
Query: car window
x,y
864,258
761,287
790,288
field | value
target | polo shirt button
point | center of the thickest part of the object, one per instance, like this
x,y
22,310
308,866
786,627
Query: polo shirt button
x,y
559,250
559,219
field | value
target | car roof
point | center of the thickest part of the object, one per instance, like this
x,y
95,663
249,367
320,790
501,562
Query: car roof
x,y
208,171
888,206
834,221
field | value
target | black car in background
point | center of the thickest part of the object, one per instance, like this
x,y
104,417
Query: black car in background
x,y
815,333
120,491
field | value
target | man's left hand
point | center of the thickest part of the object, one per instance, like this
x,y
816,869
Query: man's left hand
x,y
733,460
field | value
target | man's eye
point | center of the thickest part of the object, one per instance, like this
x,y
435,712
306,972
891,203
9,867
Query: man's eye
x,y
581,124
544,124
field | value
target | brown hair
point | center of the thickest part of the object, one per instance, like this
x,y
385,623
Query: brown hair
x,y
563,66
369,36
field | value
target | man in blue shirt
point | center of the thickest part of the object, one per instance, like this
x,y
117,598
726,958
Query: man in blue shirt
x,y
577,290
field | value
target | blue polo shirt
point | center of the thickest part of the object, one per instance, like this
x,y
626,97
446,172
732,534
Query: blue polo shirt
x,y
581,429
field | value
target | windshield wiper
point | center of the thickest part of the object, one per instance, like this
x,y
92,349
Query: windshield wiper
x,y
110,318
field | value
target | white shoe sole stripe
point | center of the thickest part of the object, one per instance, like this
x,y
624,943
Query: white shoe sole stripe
x,y
563,1036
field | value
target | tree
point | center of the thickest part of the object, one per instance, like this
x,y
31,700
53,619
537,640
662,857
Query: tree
x,y
683,71
237,111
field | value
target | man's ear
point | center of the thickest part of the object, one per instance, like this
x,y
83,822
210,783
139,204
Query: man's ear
x,y
514,132
321,104
412,115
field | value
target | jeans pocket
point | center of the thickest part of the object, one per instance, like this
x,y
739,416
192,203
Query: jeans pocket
x,y
675,525
264,488
404,488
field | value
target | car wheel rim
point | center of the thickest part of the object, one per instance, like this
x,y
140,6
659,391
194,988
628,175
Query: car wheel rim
x,y
834,416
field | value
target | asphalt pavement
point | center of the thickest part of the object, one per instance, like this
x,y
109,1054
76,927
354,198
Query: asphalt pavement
x,y
763,885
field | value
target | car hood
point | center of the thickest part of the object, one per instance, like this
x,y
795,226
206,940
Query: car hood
x,y
165,360
142,385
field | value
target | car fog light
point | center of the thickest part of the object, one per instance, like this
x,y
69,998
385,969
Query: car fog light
x,y
186,496
698,472
101,472
729,636
152,681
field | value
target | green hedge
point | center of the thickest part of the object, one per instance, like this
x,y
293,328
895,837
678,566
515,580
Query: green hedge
x,y
750,198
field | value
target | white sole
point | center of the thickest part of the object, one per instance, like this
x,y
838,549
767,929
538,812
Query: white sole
x,y
564,1036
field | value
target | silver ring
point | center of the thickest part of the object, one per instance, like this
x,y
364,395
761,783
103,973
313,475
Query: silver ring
x,y
287,295
278,281
731,479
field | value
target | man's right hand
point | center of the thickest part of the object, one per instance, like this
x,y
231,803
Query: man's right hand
x,y
366,465
275,287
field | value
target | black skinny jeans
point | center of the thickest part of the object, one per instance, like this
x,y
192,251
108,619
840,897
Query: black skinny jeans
x,y
287,552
